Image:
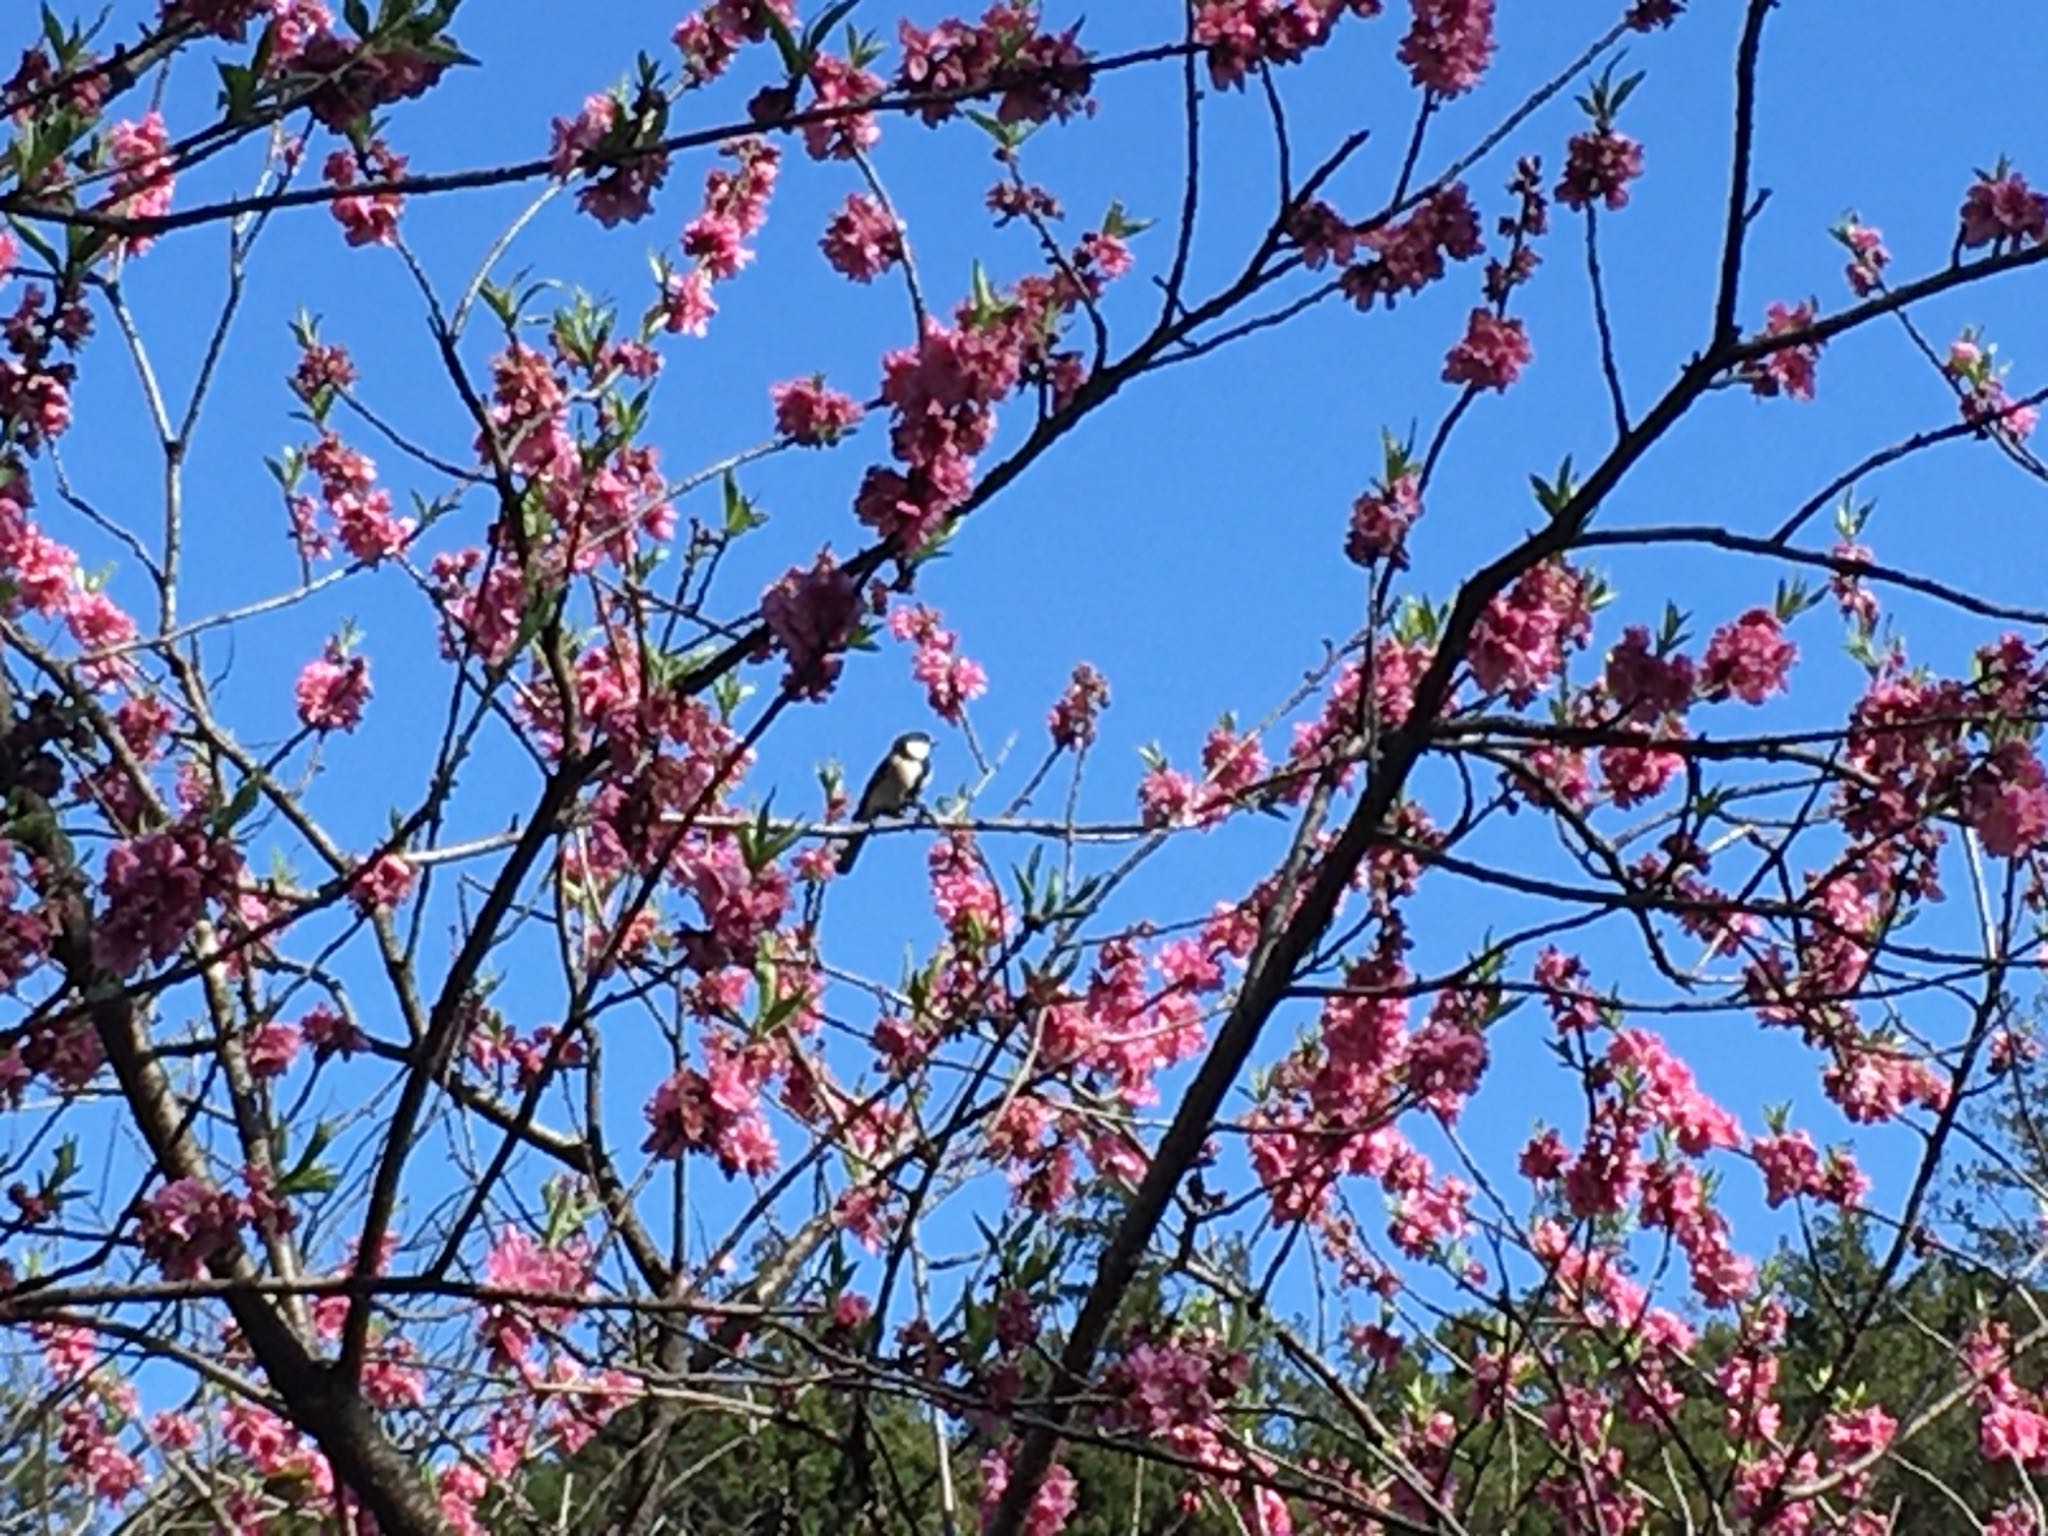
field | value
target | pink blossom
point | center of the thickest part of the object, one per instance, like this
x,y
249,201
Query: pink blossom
x,y
1632,775
1072,719
366,218
1168,798
716,1112
1041,75
2010,1431
332,690
2001,206
321,370
41,572
271,1048
1748,658
1520,642
1409,255
622,185
1790,1166
187,1223
1645,684
1241,34
686,302
863,239
1787,369
1867,256
156,888
811,415
144,177
1381,518
1599,165
517,1263
1051,1506
837,84
811,614
1449,44
2006,800
573,138
100,625
1980,383
367,527
382,884
964,895
1492,355
1648,15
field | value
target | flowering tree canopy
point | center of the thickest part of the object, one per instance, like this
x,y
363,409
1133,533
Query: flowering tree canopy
x,y
444,1066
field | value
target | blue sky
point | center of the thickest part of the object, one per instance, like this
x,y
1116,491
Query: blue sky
x,y
1187,540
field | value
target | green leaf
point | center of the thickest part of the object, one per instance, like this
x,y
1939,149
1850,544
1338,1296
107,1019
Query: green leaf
x,y
741,515
794,58
240,806
821,28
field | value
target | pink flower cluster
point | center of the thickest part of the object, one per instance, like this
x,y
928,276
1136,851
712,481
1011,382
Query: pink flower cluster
x,y
186,1224
709,40
356,76
383,883
42,573
837,85
1242,34
332,690
942,392
2006,800
1381,518
1788,369
811,415
811,615
964,893
1748,658
863,239
1599,165
1493,353
1791,1166
1651,1090
1134,1019
1449,44
517,1263
735,208
1867,255
1072,719
1408,255
2013,1422
322,370
716,1111
366,218
1040,75
1972,367
155,889
1052,1506
144,176
613,142
359,507
2001,207
950,679
1519,643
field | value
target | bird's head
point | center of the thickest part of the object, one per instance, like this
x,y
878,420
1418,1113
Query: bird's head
x,y
914,745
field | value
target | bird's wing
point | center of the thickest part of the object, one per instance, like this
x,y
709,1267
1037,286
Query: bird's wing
x,y
869,796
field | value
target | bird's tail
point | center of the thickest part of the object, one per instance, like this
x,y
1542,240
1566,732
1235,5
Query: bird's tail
x,y
850,851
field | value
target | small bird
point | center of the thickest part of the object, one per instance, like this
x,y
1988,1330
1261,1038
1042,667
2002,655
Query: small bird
x,y
895,783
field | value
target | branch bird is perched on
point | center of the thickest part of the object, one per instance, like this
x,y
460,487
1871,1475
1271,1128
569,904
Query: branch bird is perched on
x,y
896,782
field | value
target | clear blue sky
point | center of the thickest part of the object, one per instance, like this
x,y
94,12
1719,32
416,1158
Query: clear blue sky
x,y
1188,539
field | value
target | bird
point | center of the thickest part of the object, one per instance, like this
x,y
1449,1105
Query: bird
x,y
895,783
